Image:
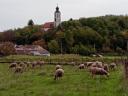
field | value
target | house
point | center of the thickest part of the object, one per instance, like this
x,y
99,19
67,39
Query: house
x,y
31,50
47,26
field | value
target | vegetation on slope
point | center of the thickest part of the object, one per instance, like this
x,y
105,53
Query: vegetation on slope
x,y
84,36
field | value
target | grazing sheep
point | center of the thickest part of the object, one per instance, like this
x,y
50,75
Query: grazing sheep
x,y
34,64
23,65
58,74
18,69
97,64
58,67
106,67
112,66
98,71
13,65
81,66
40,63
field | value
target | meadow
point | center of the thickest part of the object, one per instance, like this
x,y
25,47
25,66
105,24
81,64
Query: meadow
x,y
40,82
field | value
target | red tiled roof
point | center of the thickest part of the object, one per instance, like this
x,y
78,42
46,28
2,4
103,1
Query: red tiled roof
x,y
48,25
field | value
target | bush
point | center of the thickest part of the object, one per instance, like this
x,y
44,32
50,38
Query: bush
x,y
82,50
7,48
41,43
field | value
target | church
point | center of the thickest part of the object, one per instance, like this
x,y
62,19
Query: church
x,y
57,20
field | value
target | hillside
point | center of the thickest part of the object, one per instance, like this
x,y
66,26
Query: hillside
x,y
84,36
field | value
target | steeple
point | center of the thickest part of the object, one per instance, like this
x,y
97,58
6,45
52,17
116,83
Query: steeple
x,y
57,9
57,17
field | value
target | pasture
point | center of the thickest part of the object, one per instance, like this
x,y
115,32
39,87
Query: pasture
x,y
40,82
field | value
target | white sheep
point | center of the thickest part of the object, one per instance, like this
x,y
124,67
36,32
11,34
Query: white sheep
x,y
58,74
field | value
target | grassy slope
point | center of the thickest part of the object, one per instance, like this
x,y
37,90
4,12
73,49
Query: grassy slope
x,y
39,82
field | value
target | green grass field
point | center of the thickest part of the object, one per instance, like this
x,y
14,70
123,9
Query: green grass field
x,y
39,82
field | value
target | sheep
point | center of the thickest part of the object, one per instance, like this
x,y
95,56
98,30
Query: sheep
x,y
97,64
58,74
106,67
23,65
19,69
58,67
81,66
112,66
98,71
13,65
40,63
34,64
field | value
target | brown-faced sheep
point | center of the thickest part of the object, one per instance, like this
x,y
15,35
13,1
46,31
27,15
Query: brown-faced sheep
x,y
112,66
58,74
98,71
58,67
81,66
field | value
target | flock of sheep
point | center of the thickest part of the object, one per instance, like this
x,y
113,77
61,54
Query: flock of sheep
x,y
95,68
19,67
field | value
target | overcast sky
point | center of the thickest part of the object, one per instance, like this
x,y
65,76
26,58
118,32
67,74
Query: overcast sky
x,y
16,13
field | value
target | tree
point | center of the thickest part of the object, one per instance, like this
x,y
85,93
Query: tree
x,y
7,48
53,46
125,35
30,23
69,38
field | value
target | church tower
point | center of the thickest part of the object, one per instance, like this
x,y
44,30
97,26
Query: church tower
x,y
57,17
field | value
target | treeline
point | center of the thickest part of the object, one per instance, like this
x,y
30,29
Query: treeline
x,y
84,36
